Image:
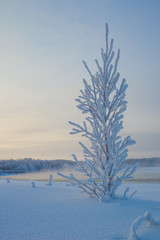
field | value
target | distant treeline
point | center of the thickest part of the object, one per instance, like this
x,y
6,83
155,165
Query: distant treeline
x,y
31,165
145,162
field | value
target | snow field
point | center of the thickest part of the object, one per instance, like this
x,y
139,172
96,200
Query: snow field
x,y
59,212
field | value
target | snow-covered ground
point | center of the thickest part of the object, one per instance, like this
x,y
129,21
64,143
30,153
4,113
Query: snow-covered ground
x,y
60,212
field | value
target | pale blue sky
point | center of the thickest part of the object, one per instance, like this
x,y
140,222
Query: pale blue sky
x,y
42,45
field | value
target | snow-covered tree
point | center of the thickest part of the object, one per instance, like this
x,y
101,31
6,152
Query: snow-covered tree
x,y
103,103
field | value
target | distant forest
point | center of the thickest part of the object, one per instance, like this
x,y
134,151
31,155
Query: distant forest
x,y
145,162
31,165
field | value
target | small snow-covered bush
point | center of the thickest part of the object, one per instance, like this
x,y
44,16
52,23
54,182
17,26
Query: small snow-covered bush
x,y
33,184
50,180
8,180
137,223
